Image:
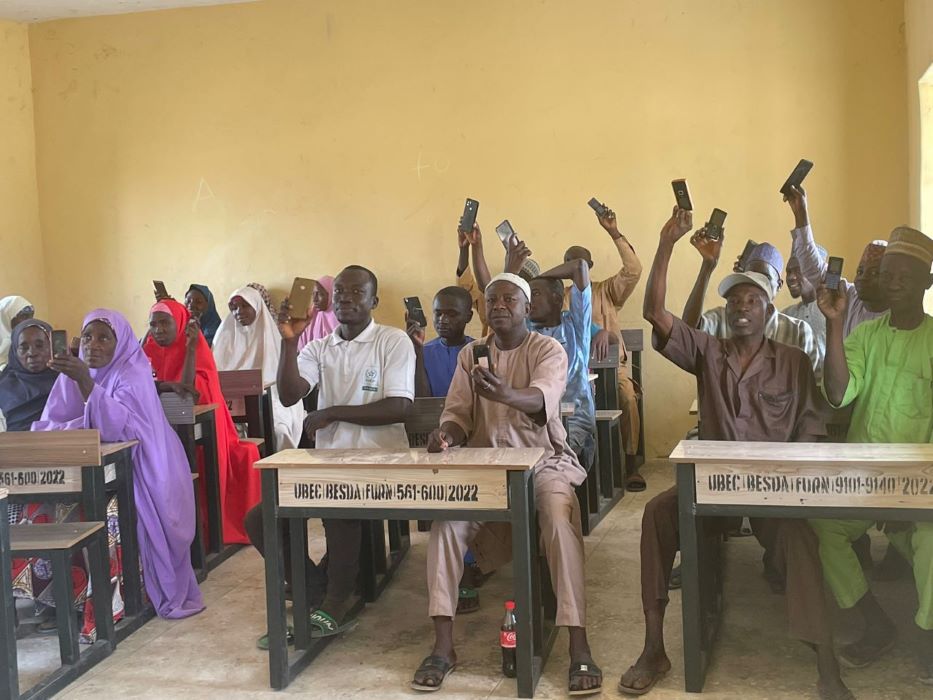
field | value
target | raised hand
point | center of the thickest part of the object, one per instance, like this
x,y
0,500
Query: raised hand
x,y
516,253
709,249
474,237
289,327
609,223
415,331
677,226
797,199
489,386
833,302
192,331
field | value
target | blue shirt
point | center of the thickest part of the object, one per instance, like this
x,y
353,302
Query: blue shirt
x,y
440,361
575,333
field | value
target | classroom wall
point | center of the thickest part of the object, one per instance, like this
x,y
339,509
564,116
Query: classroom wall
x,y
22,268
282,138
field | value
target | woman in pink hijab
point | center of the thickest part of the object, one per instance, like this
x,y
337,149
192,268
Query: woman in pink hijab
x,y
321,314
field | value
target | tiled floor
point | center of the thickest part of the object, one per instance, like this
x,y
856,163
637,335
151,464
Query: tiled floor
x,y
213,655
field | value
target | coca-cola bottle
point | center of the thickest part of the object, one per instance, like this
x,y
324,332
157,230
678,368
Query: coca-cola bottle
x,y
507,640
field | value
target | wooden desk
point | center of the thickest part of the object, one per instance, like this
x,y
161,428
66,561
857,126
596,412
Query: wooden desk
x,y
249,401
607,380
492,484
784,480
73,466
9,674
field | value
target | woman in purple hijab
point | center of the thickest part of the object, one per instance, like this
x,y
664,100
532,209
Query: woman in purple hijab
x,y
110,389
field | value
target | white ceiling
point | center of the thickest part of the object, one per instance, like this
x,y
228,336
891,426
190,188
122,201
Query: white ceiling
x,y
42,10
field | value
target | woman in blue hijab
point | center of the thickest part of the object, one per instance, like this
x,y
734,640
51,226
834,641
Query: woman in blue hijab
x,y
26,381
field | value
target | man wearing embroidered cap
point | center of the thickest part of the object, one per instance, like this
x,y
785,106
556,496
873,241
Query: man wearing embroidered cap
x,y
749,388
884,368
514,403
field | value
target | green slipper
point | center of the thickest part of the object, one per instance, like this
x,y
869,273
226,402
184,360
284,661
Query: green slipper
x,y
263,641
323,625
467,601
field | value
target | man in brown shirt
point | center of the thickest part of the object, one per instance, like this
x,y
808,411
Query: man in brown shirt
x,y
515,404
609,296
750,388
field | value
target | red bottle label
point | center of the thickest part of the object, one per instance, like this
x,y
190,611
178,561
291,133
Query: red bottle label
x,y
507,639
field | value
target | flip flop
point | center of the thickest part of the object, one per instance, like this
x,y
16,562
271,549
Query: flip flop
x,y
263,641
433,663
589,670
323,625
865,654
826,694
640,691
635,483
467,601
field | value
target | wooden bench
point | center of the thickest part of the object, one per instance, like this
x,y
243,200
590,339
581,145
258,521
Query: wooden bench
x,y
73,466
781,480
634,339
605,482
251,405
9,668
59,543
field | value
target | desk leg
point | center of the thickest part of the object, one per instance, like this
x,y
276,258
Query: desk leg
x,y
298,542
129,543
694,662
275,581
215,523
521,503
65,615
9,677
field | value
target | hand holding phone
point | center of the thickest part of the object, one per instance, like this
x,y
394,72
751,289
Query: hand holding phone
x,y
299,299
59,343
833,273
796,178
714,227
415,311
601,209
468,218
481,357
742,262
505,233
158,288
682,194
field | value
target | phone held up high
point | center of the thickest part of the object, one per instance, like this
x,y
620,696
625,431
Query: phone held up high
x,y
797,176
715,224
505,233
682,194
743,259
60,343
481,356
415,312
468,219
299,299
833,273
158,286
601,209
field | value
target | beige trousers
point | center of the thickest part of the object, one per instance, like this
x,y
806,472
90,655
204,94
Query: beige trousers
x,y
491,543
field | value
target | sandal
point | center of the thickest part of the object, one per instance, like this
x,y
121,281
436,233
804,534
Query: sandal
x,y
467,601
588,670
437,665
323,625
629,690
861,653
263,641
636,483
826,694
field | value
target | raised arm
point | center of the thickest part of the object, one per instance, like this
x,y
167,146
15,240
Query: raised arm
x,y
710,251
655,307
576,270
291,385
480,268
416,333
622,284
833,304
803,245
464,259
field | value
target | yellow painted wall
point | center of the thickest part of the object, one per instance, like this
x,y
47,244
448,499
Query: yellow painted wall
x,y
267,140
21,257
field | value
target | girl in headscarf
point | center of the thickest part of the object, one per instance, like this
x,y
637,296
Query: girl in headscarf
x,y
109,388
249,339
200,304
321,317
13,310
170,348
26,381
266,297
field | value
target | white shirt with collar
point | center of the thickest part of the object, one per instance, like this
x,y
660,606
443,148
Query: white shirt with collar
x,y
377,364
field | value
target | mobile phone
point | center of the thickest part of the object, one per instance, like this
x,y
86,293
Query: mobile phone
x,y
505,232
469,215
299,299
833,273
714,225
682,194
597,206
415,312
481,356
797,176
59,343
159,287
743,259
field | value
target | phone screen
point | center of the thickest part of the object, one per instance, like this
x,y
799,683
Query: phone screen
x,y
835,266
682,194
415,312
481,356
159,288
833,273
505,232
597,206
59,343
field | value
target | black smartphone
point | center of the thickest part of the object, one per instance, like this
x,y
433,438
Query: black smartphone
x,y
159,287
797,176
481,356
682,194
415,312
59,343
743,259
299,299
469,215
505,233
597,206
833,273
714,225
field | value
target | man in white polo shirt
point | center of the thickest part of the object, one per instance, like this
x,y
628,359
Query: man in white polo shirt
x,y
365,375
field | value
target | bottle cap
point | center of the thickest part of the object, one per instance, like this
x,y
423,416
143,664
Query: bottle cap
x,y
510,605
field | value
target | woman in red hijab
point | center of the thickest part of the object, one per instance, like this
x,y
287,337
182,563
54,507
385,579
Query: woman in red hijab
x,y
169,345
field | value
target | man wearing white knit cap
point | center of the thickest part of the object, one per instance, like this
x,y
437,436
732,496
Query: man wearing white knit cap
x,y
513,403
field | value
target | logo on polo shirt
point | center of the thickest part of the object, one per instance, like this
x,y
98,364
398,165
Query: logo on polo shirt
x,y
371,379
